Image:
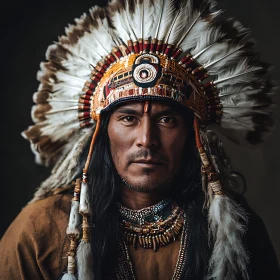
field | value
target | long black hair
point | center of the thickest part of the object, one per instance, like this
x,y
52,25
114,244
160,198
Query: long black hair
x,y
187,191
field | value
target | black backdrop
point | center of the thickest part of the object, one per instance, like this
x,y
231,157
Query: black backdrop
x,y
29,27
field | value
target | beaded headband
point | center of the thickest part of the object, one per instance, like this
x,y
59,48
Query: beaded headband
x,y
151,75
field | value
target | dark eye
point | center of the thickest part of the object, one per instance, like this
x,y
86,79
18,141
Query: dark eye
x,y
168,120
129,119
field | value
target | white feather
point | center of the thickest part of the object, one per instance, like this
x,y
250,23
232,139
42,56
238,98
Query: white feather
x,y
57,52
241,73
195,26
119,20
68,167
168,9
210,36
227,222
135,19
60,132
192,36
223,58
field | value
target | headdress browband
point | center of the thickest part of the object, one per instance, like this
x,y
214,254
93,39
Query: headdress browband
x,y
148,74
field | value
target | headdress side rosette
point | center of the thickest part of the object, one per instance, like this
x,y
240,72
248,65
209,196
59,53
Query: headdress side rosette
x,y
186,52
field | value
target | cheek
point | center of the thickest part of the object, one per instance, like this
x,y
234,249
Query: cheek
x,y
118,147
174,145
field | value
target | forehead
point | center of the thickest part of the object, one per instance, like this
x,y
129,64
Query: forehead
x,y
153,107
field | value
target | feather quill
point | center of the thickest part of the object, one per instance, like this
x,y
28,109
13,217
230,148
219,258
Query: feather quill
x,y
168,9
243,72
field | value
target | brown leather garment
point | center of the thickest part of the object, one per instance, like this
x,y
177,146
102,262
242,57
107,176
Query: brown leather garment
x,y
35,245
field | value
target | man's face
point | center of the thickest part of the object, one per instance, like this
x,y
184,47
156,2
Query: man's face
x,y
147,141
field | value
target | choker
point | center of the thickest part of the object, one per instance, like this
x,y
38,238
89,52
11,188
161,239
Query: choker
x,y
145,214
153,226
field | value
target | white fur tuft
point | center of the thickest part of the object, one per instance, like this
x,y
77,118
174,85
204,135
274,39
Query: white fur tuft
x,y
74,220
85,208
84,259
68,276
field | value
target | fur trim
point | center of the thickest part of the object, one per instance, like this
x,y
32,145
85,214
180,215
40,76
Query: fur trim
x,y
84,261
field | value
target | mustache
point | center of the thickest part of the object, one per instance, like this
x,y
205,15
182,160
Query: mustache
x,y
145,153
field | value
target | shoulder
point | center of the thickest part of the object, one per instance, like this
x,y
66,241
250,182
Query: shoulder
x,y
39,217
264,262
36,242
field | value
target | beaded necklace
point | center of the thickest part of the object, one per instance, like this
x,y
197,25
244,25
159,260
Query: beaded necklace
x,y
124,268
153,226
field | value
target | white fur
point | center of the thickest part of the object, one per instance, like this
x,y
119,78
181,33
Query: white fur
x,y
84,261
74,220
68,276
85,200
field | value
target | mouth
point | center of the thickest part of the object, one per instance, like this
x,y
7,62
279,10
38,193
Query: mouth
x,y
148,162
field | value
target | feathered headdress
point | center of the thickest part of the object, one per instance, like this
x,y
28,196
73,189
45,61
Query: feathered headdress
x,y
183,51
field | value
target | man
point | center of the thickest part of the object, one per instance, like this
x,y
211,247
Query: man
x,y
126,110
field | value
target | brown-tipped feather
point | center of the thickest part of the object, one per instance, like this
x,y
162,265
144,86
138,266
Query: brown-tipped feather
x,y
39,112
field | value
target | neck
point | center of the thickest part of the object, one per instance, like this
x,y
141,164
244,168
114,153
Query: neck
x,y
136,200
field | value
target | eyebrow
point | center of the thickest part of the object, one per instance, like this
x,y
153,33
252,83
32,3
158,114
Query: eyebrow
x,y
129,111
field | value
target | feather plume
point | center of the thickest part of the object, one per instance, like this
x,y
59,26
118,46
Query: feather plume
x,y
243,72
228,223
212,36
195,24
135,16
168,9
119,20
69,167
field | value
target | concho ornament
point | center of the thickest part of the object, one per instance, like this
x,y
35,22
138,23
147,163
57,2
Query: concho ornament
x,y
146,70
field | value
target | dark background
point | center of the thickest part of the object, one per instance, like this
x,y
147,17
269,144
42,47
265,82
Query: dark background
x,y
27,30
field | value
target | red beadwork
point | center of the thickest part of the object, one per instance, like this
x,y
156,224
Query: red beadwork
x,y
164,46
146,47
141,45
176,52
84,101
136,47
127,51
89,93
85,124
118,53
92,86
169,50
159,47
84,107
96,79
112,58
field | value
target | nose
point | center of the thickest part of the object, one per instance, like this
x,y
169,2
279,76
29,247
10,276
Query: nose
x,y
146,135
